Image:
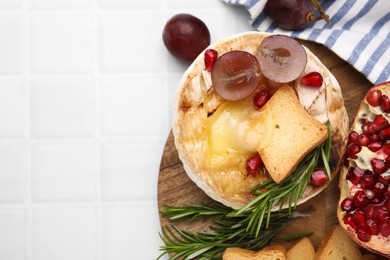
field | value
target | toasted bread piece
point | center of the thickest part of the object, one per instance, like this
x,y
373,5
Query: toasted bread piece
x,y
274,252
337,245
294,135
303,249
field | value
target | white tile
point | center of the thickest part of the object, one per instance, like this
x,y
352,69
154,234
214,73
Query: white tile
x,y
128,168
12,235
11,4
63,107
14,168
134,4
132,105
131,42
11,44
136,239
60,4
64,234
13,108
61,43
62,172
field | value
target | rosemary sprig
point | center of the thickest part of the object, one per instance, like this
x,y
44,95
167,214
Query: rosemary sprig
x,y
251,226
195,211
269,194
225,231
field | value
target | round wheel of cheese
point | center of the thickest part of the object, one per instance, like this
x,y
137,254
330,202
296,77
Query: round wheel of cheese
x,y
208,130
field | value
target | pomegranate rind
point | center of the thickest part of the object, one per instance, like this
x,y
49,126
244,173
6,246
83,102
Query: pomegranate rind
x,y
377,244
196,99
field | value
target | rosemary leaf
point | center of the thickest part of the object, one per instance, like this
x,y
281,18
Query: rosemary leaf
x,y
187,245
326,165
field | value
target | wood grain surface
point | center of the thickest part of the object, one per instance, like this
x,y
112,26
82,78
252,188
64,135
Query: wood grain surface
x,y
175,188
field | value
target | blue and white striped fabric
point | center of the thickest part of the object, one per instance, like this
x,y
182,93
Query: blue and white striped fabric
x,y
359,32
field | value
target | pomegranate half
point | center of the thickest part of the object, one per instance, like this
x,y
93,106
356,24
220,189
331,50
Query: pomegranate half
x,y
364,205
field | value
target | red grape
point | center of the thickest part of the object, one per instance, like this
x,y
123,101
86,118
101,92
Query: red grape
x,y
291,14
282,59
185,36
235,75
295,14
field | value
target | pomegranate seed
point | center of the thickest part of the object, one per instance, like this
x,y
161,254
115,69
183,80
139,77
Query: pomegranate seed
x,y
369,194
373,97
253,164
348,220
210,56
367,181
353,137
360,199
379,188
374,137
371,212
347,205
355,174
385,180
373,226
384,228
359,218
386,149
313,79
364,234
379,123
382,214
353,149
377,199
318,177
385,104
378,166
363,139
385,134
375,146
261,97
387,205
365,127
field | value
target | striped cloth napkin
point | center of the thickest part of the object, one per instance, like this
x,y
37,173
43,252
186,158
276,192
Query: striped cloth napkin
x,y
359,32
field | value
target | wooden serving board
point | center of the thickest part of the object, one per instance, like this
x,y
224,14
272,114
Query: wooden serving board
x,y
175,188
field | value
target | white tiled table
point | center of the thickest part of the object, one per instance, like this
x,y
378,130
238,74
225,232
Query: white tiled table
x,y
86,91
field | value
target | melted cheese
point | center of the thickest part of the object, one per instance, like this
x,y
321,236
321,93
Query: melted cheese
x,y
234,132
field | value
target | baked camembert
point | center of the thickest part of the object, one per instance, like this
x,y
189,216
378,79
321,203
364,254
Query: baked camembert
x,y
215,137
